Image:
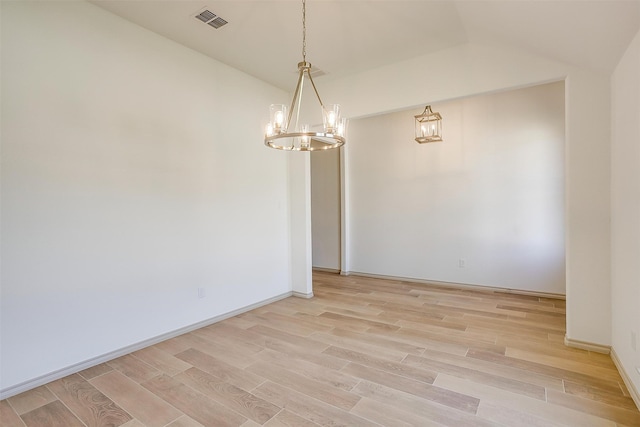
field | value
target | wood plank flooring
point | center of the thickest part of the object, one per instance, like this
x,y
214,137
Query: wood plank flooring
x,y
362,352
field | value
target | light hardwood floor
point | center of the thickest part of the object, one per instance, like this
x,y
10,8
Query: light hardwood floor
x,y
362,352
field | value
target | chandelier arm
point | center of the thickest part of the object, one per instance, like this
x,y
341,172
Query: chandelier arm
x,y
299,102
315,90
295,95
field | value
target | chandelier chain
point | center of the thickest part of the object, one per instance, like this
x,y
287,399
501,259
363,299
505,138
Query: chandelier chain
x,y
304,31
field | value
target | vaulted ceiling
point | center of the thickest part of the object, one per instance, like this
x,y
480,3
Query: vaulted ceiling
x,y
264,38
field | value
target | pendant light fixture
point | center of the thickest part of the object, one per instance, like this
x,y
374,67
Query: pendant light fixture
x,y
428,126
284,134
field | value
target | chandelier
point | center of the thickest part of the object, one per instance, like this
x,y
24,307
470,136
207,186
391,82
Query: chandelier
x,y
284,134
428,126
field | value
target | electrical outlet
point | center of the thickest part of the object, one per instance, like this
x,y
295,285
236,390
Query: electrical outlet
x,y
634,341
462,262
201,293
638,369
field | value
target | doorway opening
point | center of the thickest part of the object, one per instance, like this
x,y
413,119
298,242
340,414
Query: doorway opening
x,y
326,211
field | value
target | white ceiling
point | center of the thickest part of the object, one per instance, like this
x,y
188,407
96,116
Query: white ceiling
x,y
264,38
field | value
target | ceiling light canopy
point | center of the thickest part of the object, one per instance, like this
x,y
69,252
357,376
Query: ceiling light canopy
x,y
285,132
428,126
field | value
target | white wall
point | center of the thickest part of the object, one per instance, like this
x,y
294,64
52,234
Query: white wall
x,y
587,202
131,176
625,208
325,209
299,219
475,69
491,194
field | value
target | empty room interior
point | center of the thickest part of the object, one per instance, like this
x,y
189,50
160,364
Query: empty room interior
x,y
194,233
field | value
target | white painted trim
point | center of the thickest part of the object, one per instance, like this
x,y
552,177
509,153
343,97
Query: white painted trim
x,y
633,391
302,295
457,285
589,346
344,210
75,368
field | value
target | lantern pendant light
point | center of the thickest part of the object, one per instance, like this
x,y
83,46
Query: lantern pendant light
x,y
428,126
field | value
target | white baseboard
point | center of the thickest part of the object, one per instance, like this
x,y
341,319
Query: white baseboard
x,y
633,391
458,285
75,368
302,295
589,346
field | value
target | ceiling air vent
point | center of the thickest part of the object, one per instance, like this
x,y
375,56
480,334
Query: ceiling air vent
x,y
211,19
